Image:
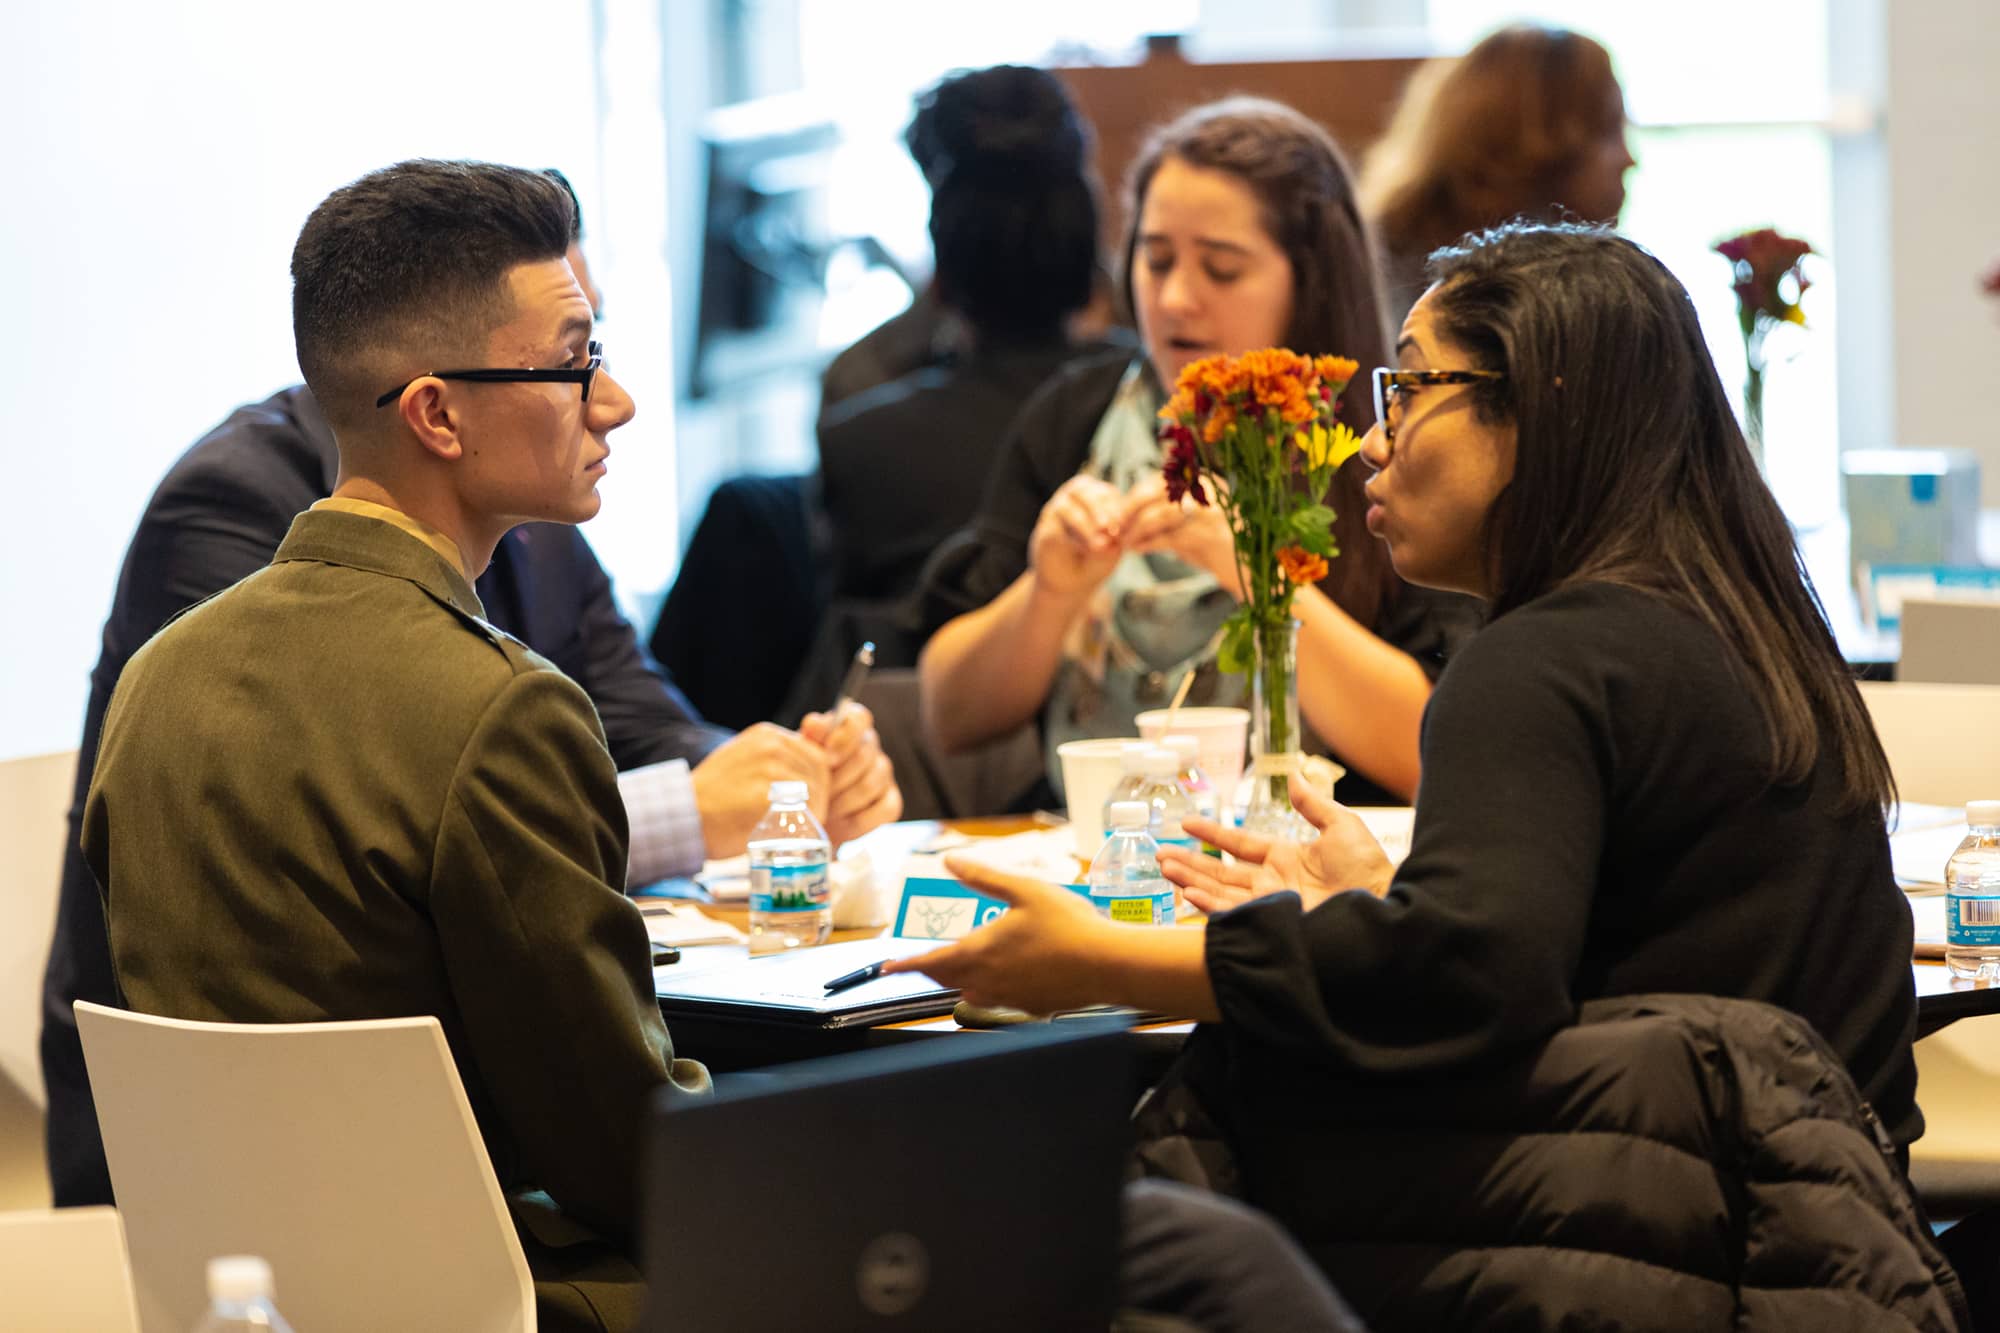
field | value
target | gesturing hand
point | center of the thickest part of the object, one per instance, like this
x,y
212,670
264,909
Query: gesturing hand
x,y
1344,856
1198,534
1074,546
1044,954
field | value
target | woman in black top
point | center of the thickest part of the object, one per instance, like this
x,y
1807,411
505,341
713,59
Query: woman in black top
x,y
1081,594
1650,772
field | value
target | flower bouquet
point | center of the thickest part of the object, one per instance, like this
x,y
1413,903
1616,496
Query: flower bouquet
x,y
1769,283
1256,434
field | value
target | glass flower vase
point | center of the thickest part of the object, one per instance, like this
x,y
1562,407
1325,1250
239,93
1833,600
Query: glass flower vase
x,y
1276,752
1753,412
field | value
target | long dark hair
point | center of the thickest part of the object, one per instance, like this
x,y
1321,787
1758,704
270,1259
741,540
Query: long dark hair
x,y
1306,194
1630,469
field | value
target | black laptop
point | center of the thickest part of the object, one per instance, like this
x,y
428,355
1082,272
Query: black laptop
x,y
963,1182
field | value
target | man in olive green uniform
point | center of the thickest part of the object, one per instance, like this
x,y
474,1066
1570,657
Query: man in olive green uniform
x,y
333,791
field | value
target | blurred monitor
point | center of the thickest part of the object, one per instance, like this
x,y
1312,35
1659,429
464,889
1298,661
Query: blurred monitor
x,y
766,241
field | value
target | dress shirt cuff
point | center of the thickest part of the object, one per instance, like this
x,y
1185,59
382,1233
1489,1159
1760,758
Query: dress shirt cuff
x,y
665,824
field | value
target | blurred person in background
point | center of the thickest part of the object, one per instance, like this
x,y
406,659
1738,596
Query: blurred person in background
x,y
1530,123
1014,225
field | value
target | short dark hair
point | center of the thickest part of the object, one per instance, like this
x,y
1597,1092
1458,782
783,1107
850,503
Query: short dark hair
x,y
1306,195
1014,217
407,264
1630,468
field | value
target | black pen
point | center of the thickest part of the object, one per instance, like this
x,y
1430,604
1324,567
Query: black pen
x,y
856,977
857,674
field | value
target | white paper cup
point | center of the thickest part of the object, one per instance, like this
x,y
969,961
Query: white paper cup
x,y
1090,769
1221,736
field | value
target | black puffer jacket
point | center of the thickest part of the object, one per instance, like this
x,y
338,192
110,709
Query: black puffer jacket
x,y
1672,1162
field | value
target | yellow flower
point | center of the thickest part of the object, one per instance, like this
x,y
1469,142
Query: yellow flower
x,y
1322,446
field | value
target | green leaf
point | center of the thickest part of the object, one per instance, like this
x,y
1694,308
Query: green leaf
x,y
1238,643
1309,522
1318,541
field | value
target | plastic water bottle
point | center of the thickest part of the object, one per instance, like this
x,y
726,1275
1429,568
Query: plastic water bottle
x,y
1972,898
1125,880
1169,804
239,1297
1193,781
1131,776
791,890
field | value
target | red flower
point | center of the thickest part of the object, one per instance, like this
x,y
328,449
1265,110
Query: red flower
x,y
1183,465
1762,260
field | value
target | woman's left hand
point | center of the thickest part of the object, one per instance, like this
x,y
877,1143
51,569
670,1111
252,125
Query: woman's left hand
x,y
1196,533
1044,954
1344,856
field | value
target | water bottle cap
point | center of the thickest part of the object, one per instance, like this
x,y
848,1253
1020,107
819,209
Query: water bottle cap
x,y
792,792
239,1277
1161,762
1130,814
1185,748
1982,813
1132,759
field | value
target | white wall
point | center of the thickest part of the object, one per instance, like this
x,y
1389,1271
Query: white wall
x,y
158,162
1943,130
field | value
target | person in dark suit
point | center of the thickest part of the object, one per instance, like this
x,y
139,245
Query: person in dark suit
x,y
335,790
691,789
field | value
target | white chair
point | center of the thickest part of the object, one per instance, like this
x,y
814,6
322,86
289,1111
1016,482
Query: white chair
x,y
1943,741
344,1153
65,1272
34,824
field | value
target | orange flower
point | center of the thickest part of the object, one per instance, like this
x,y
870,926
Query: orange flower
x,y
1300,565
1222,376
1335,369
1218,423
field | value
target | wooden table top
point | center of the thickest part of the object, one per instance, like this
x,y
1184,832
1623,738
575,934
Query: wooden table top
x,y
1941,998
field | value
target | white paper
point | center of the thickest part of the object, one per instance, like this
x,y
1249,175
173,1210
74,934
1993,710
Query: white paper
x,y
680,924
797,978
1391,825
1919,855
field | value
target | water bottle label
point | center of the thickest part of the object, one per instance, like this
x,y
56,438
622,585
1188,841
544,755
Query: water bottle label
x,y
1971,923
1154,909
802,888
1183,842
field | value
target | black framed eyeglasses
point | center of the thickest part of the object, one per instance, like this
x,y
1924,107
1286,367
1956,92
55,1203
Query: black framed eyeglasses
x,y
1391,385
582,374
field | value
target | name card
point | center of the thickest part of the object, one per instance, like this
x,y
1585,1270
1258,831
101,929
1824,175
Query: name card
x,y
944,909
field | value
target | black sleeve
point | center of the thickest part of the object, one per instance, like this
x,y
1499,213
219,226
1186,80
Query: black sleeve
x,y
1048,442
1475,948
198,535
646,719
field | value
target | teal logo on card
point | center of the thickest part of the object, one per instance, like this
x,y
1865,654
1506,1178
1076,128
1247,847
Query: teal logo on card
x,y
944,909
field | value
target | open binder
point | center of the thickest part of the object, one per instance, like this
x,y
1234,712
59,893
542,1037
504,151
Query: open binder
x,y
790,987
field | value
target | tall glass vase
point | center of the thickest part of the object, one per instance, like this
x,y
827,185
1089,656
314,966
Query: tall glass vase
x,y
1753,411
1276,752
